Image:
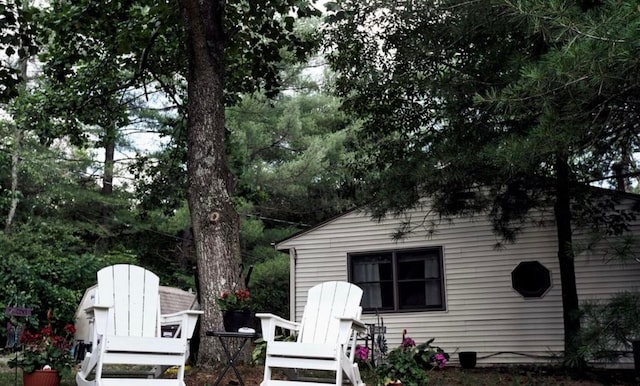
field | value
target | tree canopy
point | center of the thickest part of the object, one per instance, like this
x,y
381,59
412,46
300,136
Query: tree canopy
x,y
172,67
497,107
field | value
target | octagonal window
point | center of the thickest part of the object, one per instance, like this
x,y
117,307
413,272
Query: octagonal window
x,y
531,279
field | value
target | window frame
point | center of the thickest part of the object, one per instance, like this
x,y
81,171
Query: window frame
x,y
438,250
531,270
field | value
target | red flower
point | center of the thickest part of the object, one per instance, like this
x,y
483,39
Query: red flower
x,y
70,328
238,300
46,348
47,331
243,294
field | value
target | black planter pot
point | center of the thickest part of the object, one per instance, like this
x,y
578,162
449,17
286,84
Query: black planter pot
x,y
467,359
234,320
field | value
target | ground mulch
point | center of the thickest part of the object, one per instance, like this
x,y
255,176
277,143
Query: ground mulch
x,y
251,375
455,376
531,375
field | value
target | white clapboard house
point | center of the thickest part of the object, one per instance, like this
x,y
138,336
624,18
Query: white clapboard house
x,y
454,285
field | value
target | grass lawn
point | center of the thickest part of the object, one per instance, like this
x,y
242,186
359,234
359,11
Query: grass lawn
x,y
450,376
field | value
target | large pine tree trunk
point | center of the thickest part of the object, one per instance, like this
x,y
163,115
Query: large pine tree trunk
x,y
570,305
211,184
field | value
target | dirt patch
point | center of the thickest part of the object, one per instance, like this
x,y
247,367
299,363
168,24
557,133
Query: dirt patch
x,y
251,375
525,375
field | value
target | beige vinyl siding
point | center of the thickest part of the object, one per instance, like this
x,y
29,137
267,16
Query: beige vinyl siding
x,y
483,312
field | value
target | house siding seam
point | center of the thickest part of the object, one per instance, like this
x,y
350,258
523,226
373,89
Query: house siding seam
x,y
483,312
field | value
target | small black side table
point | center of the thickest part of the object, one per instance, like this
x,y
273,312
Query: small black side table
x,y
225,337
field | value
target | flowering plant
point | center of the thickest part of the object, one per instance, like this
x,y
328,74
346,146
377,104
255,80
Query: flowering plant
x,y
46,350
362,353
410,362
235,301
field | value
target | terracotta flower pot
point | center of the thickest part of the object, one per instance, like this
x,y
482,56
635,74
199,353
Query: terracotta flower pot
x,y
41,378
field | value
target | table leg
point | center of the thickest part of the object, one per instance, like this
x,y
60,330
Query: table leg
x,y
231,361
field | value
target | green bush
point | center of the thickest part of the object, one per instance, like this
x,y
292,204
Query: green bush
x,y
609,327
44,267
269,286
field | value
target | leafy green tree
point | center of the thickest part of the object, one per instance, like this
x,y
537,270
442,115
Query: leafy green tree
x,y
17,43
289,153
142,45
266,31
493,107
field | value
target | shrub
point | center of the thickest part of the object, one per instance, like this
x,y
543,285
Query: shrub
x,y
44,268
609,327
269,285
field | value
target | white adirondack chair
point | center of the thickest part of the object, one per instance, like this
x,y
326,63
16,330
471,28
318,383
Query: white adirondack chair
x,y
326,336
127,330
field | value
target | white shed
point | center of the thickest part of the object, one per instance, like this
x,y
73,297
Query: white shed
x,y
454,285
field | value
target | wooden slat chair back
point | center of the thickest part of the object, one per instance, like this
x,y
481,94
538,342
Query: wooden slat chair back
x,y
326,336
133,295
127,330
326,304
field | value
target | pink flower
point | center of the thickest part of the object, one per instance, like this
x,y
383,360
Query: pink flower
x,y
362,353
440,360
408,342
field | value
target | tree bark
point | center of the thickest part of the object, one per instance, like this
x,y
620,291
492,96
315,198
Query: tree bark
x,y
23,65
570,304
109,159
109,143
210,187
15,166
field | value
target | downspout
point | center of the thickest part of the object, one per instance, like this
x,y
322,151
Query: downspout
x,y
293,256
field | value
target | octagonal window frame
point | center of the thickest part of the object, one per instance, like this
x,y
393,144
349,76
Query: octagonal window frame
x,y
541,292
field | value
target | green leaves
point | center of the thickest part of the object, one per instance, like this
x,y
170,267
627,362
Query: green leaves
x,y
17,42
462,94
610,327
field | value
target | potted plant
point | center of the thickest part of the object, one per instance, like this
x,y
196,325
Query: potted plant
x,y
236,309
45,356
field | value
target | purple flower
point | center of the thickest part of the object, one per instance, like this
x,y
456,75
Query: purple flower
x,y
439,360
408,342
362,353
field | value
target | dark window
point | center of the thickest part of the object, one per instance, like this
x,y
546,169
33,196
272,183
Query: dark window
x,y
399,280
531,279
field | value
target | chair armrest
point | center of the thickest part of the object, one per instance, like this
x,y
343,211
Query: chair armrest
x,y
269,323
96,307
355,324
186,320
98,312
348,326
176,317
